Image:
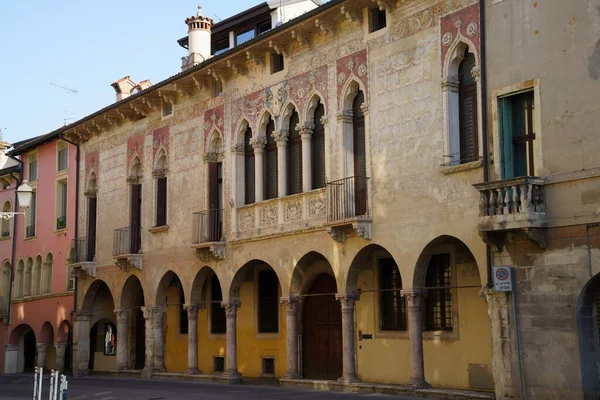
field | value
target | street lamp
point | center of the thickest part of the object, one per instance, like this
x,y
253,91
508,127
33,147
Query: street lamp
x,y
24,198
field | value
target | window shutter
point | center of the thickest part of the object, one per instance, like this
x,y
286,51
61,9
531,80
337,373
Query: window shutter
x,y
270,168
294,157
248,168
161,201
318,149
360,164
506,138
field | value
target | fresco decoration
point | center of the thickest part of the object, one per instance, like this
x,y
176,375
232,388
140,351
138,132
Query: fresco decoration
x,y
461,24
301,88
91,164
352,67
135,146
160,138
213,119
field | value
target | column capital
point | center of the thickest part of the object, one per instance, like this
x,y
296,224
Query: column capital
x,y
238,149
281,136
306,129
345,116
414,296
60,346
121,313
347,300
153,311
450,83
291,304
192,309
41,347
82,317
231,307
258,143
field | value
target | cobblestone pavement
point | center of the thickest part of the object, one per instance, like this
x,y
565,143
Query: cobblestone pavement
x,y
13,387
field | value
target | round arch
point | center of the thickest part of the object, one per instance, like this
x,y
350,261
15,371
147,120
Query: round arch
x,y
132,293
365,257
62,333
163,287
240,275
46,333
197,294
588,330
307,268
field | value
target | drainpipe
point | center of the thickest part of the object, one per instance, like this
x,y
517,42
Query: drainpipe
x,y
75,232
484,133
18,181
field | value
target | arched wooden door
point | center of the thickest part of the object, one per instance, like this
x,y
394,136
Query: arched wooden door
x,y
322,331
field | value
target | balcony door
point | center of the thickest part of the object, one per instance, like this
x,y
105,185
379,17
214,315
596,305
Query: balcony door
x,y
360,163
136,219
215,200
91,229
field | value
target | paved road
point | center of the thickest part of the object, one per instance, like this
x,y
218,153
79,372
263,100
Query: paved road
x,y
17,387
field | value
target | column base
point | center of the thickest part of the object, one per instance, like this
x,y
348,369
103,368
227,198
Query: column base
x,y
294,375
418,384
121,367
348,379
232,376
193,371
147,372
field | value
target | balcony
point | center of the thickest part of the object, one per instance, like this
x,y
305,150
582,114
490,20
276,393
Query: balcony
x,y
127,247
348,208
3,307
509,205
300,212
207,238
84,255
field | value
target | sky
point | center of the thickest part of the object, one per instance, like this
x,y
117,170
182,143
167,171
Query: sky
x,y
86,45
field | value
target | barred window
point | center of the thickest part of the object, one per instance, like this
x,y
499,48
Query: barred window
x,y
217,312
392,306
294,157
438,303
318,149
270,168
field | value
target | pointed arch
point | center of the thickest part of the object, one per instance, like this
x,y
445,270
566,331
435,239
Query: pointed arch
x,y
263,122
92,183
215,142
289,108
161,160
314,100
47,274
455,55
18,284
350,91
136,170
132,293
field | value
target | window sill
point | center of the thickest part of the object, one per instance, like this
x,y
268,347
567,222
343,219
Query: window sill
x,y
61,173
59,231
216,336
441,335
461,167
28,239
5,238
267,336
157,229
389,335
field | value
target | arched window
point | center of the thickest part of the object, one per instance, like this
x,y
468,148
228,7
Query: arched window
x,y
318,149
249,195
392,306
467,108
18,285
270,168
438,303
47,280
6,222
294,156
359,149
161,190
37,276
4,285
27,281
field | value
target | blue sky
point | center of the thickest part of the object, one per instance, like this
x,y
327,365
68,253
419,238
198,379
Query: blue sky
x,y
86,46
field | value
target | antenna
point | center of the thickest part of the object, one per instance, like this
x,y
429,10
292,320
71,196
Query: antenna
x,y
217,17
67,92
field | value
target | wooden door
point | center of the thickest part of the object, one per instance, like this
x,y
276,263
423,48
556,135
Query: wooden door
x,y
91,240
136,219
215,199
322,331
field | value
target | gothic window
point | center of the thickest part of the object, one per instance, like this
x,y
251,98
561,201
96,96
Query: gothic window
x,y
217,313
268,301
294,156
392,306
18,285
249,197
438,303
270,161
318,149
467,108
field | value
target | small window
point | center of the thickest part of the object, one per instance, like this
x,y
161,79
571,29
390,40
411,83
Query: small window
x,y
268,366
30,217
161,201
220,46
244,36
377,19
276,62
63,155
183,316
33,168
217,88
61,205
167,108
263,27
268,301
217,312
392,305
218,364
517,137
438,303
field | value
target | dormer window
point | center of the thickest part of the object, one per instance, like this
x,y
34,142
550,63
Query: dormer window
x,y
220,46
263,27
244,36
63,155
276,62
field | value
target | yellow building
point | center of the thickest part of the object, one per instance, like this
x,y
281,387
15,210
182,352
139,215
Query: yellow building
x,y
299,206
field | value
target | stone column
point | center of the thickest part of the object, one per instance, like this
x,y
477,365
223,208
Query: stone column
x,y
414,300
123,355
501,343
149,361
192,312
347,301
159,338
82,330
306,131
291,308
258,144
231,370
61,348
42,349
281,137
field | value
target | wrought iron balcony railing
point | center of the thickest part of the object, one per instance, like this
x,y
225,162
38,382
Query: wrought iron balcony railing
x,y
208,226
127,240
347,199
84,249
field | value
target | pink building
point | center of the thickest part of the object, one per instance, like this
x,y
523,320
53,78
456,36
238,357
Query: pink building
x,y
39,323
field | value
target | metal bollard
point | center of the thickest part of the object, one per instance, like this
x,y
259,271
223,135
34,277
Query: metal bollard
x,y
63,387
35,382
51,385
56,383
40,383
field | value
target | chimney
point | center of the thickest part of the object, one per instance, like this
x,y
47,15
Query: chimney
x,y
145,84
123,87
199,28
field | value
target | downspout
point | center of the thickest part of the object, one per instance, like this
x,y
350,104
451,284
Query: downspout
x,y
484,133
77,160
18,181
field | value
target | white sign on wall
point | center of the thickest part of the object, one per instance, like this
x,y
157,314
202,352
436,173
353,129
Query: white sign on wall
x,y
503,279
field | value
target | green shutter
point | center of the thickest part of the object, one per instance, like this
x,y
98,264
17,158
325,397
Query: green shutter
x,y
506,138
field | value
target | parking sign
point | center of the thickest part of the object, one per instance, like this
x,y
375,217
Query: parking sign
x,y
503,279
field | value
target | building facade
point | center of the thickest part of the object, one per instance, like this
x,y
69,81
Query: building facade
x,y
37,330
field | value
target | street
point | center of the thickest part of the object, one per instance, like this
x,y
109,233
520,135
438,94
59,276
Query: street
x,y
17,387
